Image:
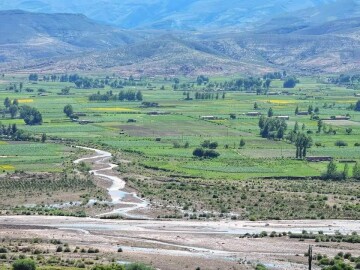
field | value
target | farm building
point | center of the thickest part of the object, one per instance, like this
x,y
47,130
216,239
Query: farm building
x,y
339,117
303,113
157,113
285,117
319,159
208,117
273,93
85,122
253,114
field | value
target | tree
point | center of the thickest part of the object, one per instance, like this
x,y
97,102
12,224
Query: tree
x,y
7,102
357,106
310,109
211,154
270,112
272,128
30,115
139,96
25,264
256,106
65,91
302,143
223,95
213,145
340,143
319,125
356,171
33,77
332,173
296,127
43,137
21,85
290,82
267,84
13,109
331,169
242,142
262,121
297,110
348,131
198,152
68,110
346,171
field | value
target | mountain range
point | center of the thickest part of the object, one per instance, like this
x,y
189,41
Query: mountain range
x,y
180,37
190,14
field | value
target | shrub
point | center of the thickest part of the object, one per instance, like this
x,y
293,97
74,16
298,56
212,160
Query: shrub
x,y
25,264
211,154
198,152
341,143
138,266
3,250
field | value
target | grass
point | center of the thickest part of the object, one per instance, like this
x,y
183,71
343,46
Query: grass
x,y
150,141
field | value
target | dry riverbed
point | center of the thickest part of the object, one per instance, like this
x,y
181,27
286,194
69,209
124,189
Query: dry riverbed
x,y
186,244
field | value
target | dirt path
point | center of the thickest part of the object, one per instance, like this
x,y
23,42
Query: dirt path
x,y
116,191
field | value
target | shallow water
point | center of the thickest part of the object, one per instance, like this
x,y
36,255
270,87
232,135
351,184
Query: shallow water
x,y
116,191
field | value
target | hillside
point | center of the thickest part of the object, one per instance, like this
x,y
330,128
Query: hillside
x,y
220,54
25,36
72,42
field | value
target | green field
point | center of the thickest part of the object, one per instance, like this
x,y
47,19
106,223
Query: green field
x,y
260,157
156,143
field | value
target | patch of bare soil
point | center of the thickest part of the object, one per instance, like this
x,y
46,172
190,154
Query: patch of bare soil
x,y
174,245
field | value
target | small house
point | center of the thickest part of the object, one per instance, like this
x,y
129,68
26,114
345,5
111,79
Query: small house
x,y
319,159
303,113
253,114
85,122
285,117
340,117
208,117
273,93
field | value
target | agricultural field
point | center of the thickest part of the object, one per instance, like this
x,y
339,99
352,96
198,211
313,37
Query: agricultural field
x,y
159,140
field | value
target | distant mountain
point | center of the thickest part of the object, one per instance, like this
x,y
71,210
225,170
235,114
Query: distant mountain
x,y
223,54
25,35
322,19
302,42
177,14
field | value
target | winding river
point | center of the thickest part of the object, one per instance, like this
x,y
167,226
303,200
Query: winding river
x,y
116,191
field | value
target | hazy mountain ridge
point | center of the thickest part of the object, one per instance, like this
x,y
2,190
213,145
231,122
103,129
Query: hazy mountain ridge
x,y
169,14
65,42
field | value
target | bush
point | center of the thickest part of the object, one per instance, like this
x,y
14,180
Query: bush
x,y
260,267
3,250
340,143
198,152
25,264
138,266
211,154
